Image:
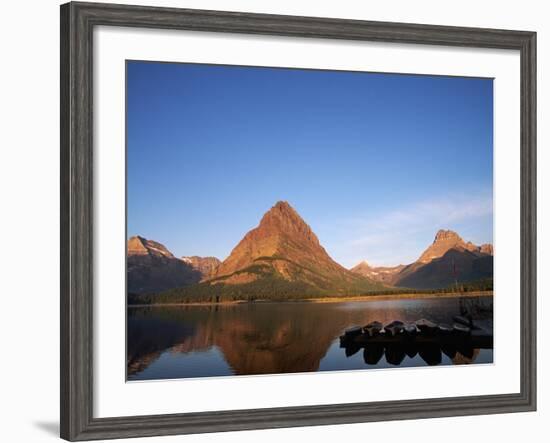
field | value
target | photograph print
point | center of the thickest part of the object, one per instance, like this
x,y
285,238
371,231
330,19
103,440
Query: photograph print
x,y
284,220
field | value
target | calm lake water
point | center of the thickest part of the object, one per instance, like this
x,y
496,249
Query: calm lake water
x,y
268,338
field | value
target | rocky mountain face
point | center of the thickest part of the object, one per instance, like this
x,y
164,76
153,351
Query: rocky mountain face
x,y
447,261
280,258
383,274
486,248
455,266
207,266
141,247
153,268
445,240
283,246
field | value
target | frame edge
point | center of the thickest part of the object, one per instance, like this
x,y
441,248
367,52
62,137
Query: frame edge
x,y
76,271
528,155
65,142
76,206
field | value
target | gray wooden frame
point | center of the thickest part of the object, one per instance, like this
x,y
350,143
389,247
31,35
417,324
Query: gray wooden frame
x,y
77,24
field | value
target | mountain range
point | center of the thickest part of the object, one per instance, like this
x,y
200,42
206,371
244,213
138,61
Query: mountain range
x,y
207,266
153,268
283,258
448,260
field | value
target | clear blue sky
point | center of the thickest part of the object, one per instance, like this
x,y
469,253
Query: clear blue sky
x,y
374,163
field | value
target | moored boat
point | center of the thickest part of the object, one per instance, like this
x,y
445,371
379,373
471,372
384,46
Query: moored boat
x,y
373,328
461,329
463,320
426,326
410,329
445,329
394,328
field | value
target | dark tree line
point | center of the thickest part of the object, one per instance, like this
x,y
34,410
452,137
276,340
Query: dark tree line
x,y
279,289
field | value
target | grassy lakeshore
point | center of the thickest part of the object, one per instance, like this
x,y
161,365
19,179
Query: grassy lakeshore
x,y
339,299
405,296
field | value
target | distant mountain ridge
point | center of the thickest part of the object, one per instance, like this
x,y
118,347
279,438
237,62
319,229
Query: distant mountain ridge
x,y
383,274
207,266
457,265
151,267
447,239
139,246
448,260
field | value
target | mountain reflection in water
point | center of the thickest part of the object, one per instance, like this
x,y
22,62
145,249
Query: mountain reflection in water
x,y
269,338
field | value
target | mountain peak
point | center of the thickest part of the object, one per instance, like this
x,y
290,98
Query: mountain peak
x,y
444,240
207,266
486,248
152,268
283,221
445,235
382,274
280,233
138,245
283,205
361,266
281,210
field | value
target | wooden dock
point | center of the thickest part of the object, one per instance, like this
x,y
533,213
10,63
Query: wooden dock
x,y
428,333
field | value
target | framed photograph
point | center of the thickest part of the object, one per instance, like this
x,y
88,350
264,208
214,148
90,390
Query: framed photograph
x,y
272,221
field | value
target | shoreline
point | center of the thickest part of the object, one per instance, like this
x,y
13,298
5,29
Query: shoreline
x,y
419,296
345,298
